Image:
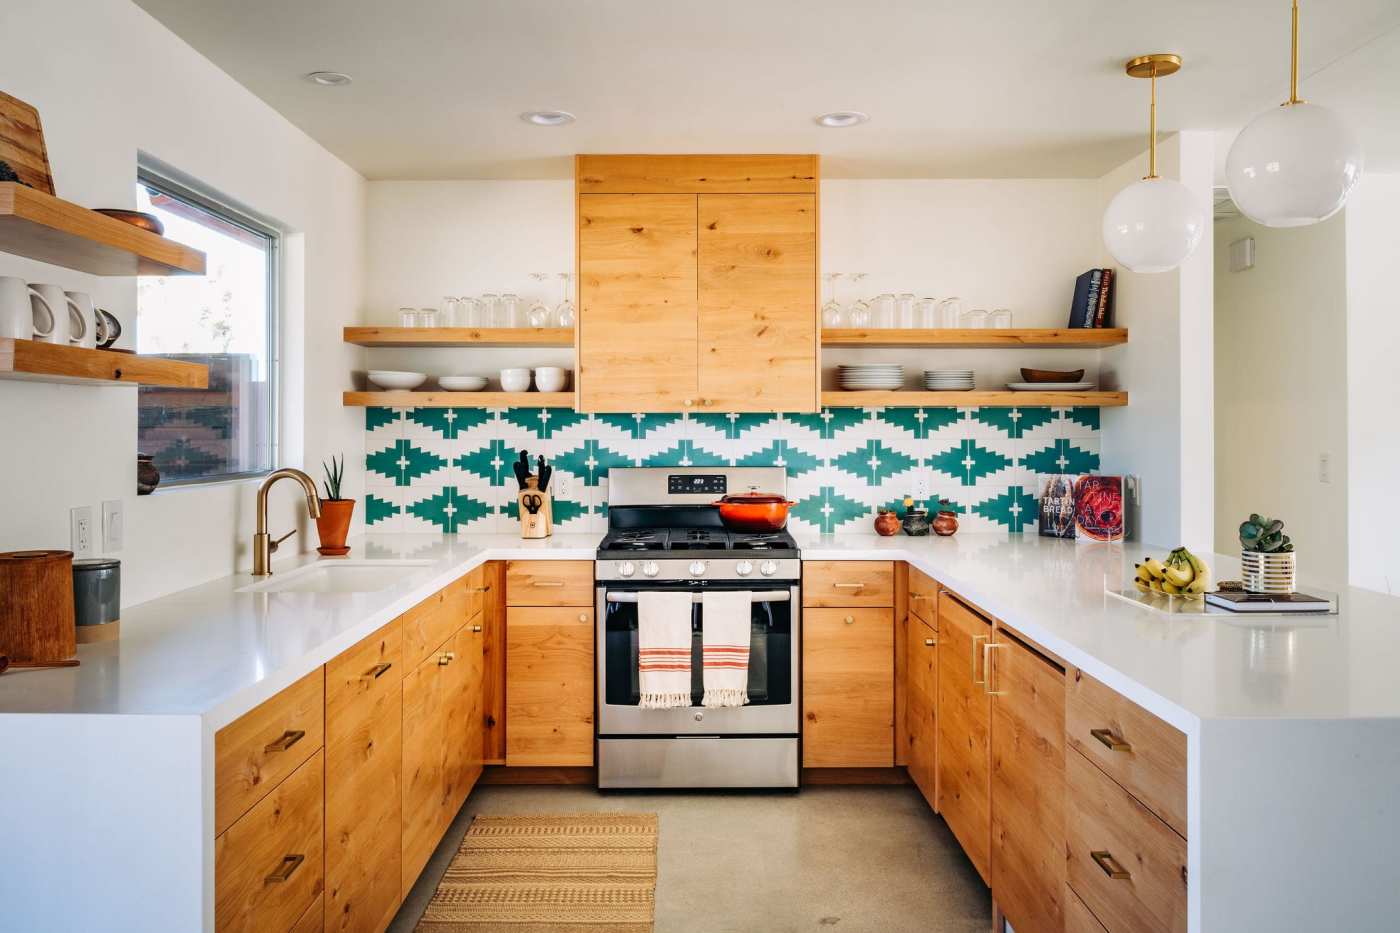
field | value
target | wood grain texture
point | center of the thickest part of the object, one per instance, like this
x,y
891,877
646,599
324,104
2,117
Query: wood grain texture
x,y
964,732
460,336
838,398
923,597
40,226
921,713
253,753
36,606
314,920
758,302
638,329
1078,917
424,763
697,174
430,623
462,724
364,760
841,583
549,685
415,399
1153,769
1082,338
1028,787
1103,817
493,689
549,583
848,688
285,824
22,143
51,362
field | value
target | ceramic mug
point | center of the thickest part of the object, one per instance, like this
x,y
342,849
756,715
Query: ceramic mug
x,y
22,316
84,320
55,304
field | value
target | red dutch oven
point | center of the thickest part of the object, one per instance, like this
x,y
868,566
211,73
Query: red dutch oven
x,y
754,511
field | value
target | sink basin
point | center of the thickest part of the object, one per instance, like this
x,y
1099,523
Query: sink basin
x,y
339,576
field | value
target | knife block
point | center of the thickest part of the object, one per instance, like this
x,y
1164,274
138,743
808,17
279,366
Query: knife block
x,y
536,510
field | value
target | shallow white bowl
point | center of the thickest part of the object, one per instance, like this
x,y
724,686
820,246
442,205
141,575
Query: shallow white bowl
x,y
462,383
551,378
390,379
515,380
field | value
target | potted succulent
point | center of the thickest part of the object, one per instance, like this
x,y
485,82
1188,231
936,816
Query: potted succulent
x,y
334,524
1267,561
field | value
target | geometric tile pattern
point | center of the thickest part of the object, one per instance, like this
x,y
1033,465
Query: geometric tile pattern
x,y
449,470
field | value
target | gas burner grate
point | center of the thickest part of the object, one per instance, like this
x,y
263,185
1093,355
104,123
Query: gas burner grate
x,y
698,539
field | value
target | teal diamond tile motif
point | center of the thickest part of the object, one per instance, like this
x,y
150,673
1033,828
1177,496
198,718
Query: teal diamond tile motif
x,y
828,510
733,425
491,463
830,421
449,422
1015,509
449,509
783,454
685,453
544,423
403,462
968,462
376,417
1015,422
639,425
1088,417
378,510
874,463
1061,457
923,423
591,461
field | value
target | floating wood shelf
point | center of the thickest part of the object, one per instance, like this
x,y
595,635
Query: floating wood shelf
x,y
460,336
49,229
51,362
1045,338
978,398
414,399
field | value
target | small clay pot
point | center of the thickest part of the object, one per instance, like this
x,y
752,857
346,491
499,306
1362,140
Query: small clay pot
x,y
887,524
915,522
334,526
147,475
945,523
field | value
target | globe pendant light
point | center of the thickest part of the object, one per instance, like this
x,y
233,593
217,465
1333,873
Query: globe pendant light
x,y
1153,224
1295,164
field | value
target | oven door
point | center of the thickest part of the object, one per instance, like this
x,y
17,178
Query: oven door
x,y
774,650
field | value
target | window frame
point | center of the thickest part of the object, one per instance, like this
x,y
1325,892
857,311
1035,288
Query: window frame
x,y
206,199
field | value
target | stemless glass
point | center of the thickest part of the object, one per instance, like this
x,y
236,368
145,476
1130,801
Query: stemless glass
x,y
927,313
427,317
859,311
904,311
1001,317
974,319
490,310
510,310
831,310
883,310
447,311
950,311
408,317
565,314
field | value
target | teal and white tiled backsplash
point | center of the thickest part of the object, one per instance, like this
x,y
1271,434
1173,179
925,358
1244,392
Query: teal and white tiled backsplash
x,y
449,469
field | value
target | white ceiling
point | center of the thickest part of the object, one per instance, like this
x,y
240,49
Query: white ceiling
x,y
1009,88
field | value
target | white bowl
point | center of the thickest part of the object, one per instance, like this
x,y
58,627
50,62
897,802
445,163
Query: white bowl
x,y
462,383
389,379
551,378
515,380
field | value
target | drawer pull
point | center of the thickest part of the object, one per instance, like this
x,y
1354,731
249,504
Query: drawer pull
x,y
290,863
286,741
478,589
1110,866
988,668
476,628
975,653
849,586
920,596
548,583
849,620
1110,740
447,658
929,642
378,671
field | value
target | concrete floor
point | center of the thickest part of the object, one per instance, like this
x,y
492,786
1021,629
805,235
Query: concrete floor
x,y
827,858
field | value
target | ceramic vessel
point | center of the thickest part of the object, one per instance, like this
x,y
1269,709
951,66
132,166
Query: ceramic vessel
x,y
916,523
945,523
333,526
147,475
887,524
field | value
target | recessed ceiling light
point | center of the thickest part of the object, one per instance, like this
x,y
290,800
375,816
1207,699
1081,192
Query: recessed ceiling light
x,y
547,117
329,78
841,118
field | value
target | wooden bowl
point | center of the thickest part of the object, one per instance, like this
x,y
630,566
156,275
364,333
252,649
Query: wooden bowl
x,y
135,218
1052,375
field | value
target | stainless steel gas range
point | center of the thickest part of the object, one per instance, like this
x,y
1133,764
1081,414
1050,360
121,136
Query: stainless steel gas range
x,y
664,533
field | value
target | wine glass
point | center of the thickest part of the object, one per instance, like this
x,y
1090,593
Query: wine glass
x,y
538,315
565,313
859,312
831,310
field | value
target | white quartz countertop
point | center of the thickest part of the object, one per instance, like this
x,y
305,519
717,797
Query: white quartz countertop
x,y
215,652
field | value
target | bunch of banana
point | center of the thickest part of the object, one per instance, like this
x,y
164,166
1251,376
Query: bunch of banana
x,y
1181,574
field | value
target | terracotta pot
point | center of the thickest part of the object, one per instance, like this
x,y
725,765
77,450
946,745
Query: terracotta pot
x,y
754,511
334,525
945,523
887,524
147,474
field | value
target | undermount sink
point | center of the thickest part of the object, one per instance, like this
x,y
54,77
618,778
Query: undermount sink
x,y
339,576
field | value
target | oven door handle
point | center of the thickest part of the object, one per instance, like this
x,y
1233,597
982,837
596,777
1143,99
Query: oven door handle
x,y
776,596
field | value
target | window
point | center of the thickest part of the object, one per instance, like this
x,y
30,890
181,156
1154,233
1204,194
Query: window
x,y
226,320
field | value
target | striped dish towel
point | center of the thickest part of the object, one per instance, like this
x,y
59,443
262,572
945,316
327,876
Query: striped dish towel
x,y
726,641
663,649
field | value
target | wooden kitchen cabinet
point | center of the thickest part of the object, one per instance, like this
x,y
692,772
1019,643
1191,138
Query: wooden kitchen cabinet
x,y
923,596
549,583
1027,785
921,710
848,688
847,583
549,685
964,729
424,762
462,715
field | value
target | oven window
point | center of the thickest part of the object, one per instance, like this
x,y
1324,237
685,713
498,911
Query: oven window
x,y
770,655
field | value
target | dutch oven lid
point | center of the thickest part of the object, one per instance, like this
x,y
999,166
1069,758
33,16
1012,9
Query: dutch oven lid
x,y
752,498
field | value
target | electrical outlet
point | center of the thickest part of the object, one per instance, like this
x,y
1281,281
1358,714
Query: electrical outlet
x,y
1324,468
80,531
112,525
561,486
921,485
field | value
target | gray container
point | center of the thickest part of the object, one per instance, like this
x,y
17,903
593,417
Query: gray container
x,y
97,598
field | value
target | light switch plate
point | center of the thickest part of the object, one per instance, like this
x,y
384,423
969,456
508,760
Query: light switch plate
x,y
80,531
113,530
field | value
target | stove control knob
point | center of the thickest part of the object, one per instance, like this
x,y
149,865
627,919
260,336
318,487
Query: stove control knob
x,y
743,568
768,568
626,568
697,568
650,569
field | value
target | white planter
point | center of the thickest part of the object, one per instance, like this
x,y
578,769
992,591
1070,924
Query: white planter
x,y
1269,573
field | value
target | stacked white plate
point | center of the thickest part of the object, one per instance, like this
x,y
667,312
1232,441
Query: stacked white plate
x,y
948,380
871,376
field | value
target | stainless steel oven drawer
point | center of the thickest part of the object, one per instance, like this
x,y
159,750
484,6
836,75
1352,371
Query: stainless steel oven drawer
x,y
697,762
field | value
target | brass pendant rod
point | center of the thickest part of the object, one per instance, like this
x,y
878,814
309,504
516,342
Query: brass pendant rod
x,y
1293,69
1152,130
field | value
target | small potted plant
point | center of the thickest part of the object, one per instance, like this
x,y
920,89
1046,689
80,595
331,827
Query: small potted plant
x,y
334,524
1267,561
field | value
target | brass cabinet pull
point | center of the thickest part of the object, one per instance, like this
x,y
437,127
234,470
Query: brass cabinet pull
x,y
478,589
1110,740
688,402
975,652
929,642
447,658
290,863
988,667
583,617
548,583
285,741
378,671
1110,866
920,596
849,586
476,628
849,620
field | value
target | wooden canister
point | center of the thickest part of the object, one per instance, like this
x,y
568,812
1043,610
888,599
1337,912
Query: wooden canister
x,y
37,627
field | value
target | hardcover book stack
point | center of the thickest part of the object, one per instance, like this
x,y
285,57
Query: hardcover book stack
x,y
1093,299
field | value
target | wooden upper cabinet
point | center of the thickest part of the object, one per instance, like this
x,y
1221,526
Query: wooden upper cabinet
x,y
637,302
696,174
758,302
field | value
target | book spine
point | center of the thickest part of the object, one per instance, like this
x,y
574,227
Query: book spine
x,y
1091,302
1105,292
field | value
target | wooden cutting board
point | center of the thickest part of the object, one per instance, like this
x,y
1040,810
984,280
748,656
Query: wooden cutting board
x,y
22,143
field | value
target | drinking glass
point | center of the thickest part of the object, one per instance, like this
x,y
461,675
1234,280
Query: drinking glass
x,y
510,310
950,311
904,311
468,312
490,310
927,313
565,314
408,317
1001,317
447,311
831,310
974,319
538,315
427,317
884,310
859,311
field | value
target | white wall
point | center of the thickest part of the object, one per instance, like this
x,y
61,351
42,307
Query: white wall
x,y
1280,394
110,82
1373,382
